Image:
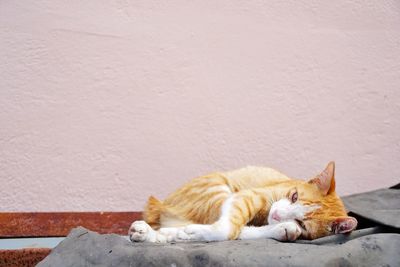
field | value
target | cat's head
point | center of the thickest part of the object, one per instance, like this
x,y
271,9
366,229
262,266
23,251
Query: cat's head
x,y
315,206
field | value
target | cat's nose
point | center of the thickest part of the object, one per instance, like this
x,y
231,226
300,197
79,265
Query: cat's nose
x,y
275,216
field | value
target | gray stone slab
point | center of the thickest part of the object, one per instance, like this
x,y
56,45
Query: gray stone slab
x,y
86,248
377,245
381,206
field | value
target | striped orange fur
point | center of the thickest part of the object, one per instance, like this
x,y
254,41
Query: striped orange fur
x,y
253,190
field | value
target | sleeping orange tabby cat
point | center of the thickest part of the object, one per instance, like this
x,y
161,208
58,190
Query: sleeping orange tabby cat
x,y
248,203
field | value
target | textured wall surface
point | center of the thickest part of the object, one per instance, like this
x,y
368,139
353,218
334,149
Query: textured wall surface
x,y
105,102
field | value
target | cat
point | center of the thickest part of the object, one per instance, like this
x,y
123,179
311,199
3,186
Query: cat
x,y
248,203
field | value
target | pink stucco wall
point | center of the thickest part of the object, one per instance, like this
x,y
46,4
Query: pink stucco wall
x,y
105,102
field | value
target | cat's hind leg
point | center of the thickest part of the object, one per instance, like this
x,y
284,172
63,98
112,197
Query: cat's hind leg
x,y
237,210
140,231
218,231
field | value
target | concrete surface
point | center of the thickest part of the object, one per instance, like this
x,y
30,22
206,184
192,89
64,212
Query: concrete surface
x,y
86,248
37,242
105,103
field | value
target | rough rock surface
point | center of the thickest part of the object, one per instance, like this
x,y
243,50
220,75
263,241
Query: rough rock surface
x,y
86,248
377,244
381,206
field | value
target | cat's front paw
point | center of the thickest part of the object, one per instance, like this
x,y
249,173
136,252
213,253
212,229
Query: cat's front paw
x,y
139,231
286,231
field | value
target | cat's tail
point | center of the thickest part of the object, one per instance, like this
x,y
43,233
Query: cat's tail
x,y
152,212
156,211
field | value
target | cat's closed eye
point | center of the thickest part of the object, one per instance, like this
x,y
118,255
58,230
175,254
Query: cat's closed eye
x,y
302,225
294,197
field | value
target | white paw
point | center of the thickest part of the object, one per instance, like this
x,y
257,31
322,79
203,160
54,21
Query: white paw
x,y
205,232
172,234
139,231
286,231
182,235
198,232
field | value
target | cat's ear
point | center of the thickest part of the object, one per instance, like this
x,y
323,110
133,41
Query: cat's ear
x,y
343,225
326,179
